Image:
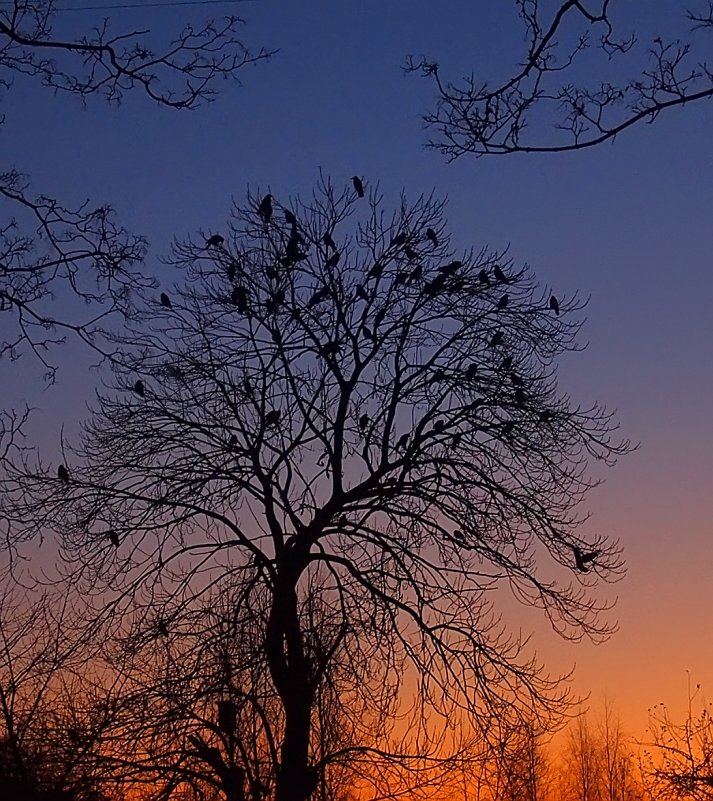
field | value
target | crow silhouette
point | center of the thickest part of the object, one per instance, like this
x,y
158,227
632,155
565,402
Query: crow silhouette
x,y
328,241
431,236
520,397
227,717
483,277
318,297
139,388
165,301
555,305
496,339
231,270
411,254
215,241
239,298
402,442
272,418
438,376
376,271
358,185
455,439
329,348
399,240
63,474
162,628
545,416
113,538
361,292
438,426
506,363
368,334
233,441
446,270
290,218
499,274
516,380
582,559
272,273
265,209
503,302
508,428
363,421
471,371
333,260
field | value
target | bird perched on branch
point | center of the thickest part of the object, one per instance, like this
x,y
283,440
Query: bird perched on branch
x,y
328,241
471,371
446,270
215,241
411,254
139,388
363,421
63,474
483,277
318,297
361,292
503,302
239,298
499,274
265,209
402,442
165,301
582,559
113,538
290,218
272,418
399,240
333,260
555,305
358,185
432,237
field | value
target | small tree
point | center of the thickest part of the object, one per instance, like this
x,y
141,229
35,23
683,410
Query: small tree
x,y
540,108
335,406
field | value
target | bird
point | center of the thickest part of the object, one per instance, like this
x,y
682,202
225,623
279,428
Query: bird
x,y
233,441
411,254
318,296
431,236
272,273
508,428
265,209
329,348
376,271
471,371
227,717
438,426
272,418
175,372
139,388
401,278
215,241
416,274
361,292
113,538
499,274
496,339
239,298
516,380
582,559
162,628
63,474
459,536
231,270
455,439
290,218
363,421
555,305
358,185
545,416
520,397
506,363
503,302
402,442
165,301
368,334
398,240
434,286
483,277
333,260
449,269
328,241
439,375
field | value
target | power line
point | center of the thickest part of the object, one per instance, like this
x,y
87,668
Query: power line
x,y
166,4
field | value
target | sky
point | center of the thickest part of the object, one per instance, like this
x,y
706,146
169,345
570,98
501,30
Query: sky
x,y
626,224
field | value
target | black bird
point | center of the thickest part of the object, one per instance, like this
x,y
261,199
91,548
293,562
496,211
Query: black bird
x,y
545,416
175,372
358,185
363,421
508,428
411,254
215,241
319,296
113,538
162,628
431,236
401,278
516,380
328,241
455,440
290,218
483,277
399,239
503,302
165,301
471,371
506,363
239,298
499,274
402,442
272,418
449,269
227,717
438,426
520,397
416,274
139,388
63,474
277,337
329,348
231,270
333,260
376,271
274,302
438,376
555,305
272,273
265,209
361,292
582,559
459,536
435,286
367,333
496,339
233,441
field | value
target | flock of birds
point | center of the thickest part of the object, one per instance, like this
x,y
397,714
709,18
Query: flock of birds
x,y
444,274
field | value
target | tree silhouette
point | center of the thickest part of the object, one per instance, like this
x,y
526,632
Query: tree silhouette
x,y
48,248
545,106
259,458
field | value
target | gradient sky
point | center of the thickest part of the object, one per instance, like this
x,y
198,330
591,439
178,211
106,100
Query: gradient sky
x,y
627,224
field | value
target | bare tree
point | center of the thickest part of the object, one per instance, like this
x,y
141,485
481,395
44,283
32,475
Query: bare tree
x,y
545,106
80,254
678,761
582,763
333,405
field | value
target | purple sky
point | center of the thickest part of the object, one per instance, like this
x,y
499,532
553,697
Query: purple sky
x,y
627,224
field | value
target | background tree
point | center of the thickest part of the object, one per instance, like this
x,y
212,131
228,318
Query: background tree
x,y
546,105
333,403
81,254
